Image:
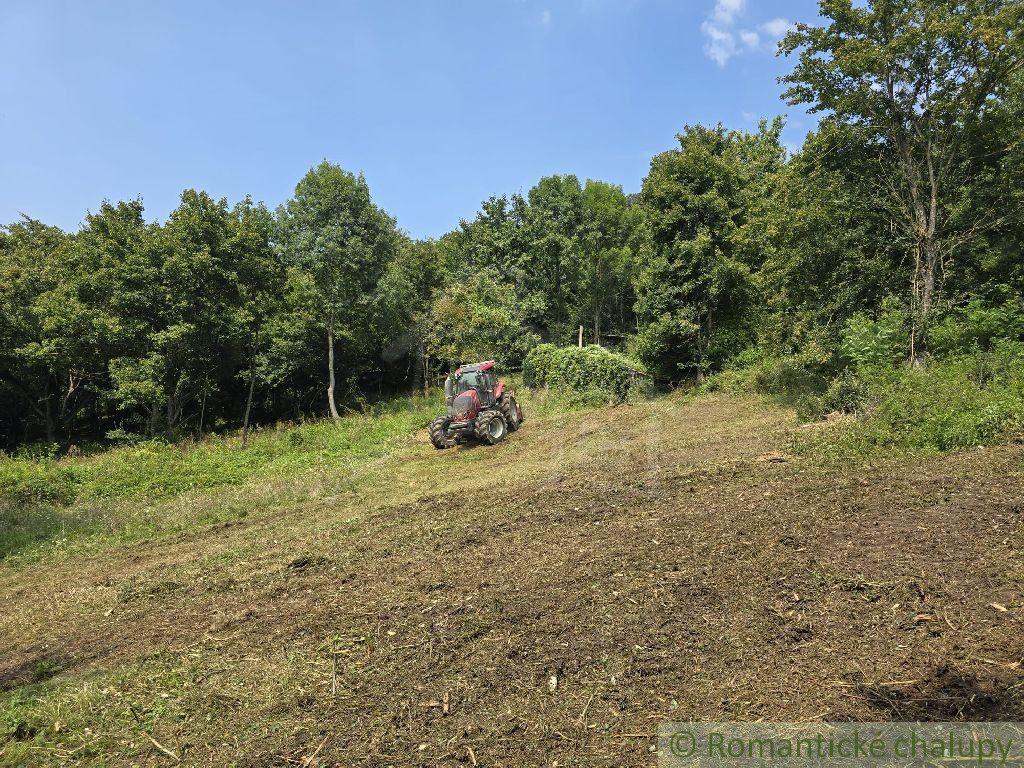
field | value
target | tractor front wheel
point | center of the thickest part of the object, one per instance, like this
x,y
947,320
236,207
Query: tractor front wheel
x,y
512,411
439,433
490,427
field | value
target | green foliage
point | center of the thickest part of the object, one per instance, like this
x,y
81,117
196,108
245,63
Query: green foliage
x,y
792,376
867,342
848,393
567,249
594,371
921,85
27,481
826,257
789,378
696,295
478,319
668,344
977,327
961,402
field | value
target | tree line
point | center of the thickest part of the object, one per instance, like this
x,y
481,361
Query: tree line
x,y
898,225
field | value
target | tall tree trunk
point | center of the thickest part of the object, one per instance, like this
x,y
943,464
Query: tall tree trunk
x,y
172,416
418,368
923,292
248,400
330,373
202,413
923,186
51,420
704,342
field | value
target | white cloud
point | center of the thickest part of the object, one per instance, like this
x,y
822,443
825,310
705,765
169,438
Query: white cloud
x,y
545,18
776,28
724,39
721,44
727,11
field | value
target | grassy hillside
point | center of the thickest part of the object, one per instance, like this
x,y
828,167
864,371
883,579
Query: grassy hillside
x,y
359,598
153,488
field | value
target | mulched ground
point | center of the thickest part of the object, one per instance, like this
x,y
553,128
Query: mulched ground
x,y
555,618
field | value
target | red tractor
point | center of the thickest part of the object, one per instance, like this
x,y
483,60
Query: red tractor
x,y
479,406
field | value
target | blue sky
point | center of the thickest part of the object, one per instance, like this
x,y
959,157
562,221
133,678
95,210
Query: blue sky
x,y
439,104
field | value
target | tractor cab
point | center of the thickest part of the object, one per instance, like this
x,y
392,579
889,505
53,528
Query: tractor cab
x,y
480,378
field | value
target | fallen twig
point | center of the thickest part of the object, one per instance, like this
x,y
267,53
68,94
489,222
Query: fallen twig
x,y
583,715
163,749
309,760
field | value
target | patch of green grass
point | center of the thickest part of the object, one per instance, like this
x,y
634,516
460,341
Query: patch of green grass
x,y
186,701
962,402
46,500
83,720
157,470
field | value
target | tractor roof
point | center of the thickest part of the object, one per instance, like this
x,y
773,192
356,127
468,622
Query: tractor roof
x,y
487,365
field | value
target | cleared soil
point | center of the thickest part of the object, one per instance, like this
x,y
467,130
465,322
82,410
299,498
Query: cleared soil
x,y
550,600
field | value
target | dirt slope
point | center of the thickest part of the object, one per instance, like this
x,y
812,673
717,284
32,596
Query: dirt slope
x,y
547,602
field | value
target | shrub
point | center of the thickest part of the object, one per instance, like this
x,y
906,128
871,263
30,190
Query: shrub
x,y
876,342
537,364
848,393
791,376
593,370
787,378
24,481
961,402
977,327
733,380
668,347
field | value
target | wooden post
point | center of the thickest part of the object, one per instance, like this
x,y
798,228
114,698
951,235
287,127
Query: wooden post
x,y
581,335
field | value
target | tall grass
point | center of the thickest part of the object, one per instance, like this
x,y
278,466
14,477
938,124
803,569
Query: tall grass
x,y
958,401
45,498
961,402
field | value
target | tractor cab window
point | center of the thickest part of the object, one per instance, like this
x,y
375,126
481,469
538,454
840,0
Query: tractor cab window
x,y
468,381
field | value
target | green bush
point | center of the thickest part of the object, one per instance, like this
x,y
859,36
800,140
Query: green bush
x,y
592,370
788,378
791,376
977,327
848,393
668,347
960,402
877,342
537,364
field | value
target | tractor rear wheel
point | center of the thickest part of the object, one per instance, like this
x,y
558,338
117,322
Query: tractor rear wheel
x,y
490,427
512,412
439,433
